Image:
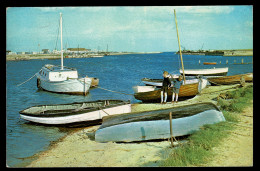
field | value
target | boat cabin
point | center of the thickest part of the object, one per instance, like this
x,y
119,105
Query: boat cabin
x,y
55,73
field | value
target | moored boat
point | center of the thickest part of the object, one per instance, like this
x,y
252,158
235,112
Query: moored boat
x,y
206,72
186,91
77,112
151,125
158,82
233,79
61,79
209,63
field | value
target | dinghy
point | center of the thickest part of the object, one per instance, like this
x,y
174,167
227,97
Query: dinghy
x,y
151,125
158,82
206,72
233,79
186,91
75,112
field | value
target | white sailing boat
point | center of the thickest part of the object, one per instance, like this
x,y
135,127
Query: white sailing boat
x,y
61,79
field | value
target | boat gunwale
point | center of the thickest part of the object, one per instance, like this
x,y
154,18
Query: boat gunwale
x,y
74,111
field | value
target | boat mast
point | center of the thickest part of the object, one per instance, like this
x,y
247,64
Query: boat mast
x,y
61,51
179,46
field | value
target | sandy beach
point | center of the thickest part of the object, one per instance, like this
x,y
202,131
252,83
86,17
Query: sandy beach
x,y
79,148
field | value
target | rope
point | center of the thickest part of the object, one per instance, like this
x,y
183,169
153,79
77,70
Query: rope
x,y
103,110
115,91
28,79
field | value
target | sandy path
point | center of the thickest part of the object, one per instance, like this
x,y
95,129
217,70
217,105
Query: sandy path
x,y
237,149
80,150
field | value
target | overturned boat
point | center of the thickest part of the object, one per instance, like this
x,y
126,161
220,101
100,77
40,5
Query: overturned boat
x,y
75,112
151,125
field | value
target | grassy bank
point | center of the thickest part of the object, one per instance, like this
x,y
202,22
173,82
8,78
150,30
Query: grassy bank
x,y
198,150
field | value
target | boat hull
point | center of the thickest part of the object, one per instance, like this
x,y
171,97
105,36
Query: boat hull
x,y
206,72
70,86
186,91
157,129
138,89
209,63
233,79
158,82
77,116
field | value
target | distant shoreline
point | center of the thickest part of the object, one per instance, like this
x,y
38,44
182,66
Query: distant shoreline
x,y
20,57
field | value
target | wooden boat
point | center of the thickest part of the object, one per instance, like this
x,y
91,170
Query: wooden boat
x,y
61,79
233,79
186,91
74,112
206,72
155,124
209,63
158,82
138,89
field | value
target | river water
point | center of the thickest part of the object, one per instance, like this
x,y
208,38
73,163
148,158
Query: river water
x,y
118,73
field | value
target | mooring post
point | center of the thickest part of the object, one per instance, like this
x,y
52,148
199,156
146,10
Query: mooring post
x,y
171,129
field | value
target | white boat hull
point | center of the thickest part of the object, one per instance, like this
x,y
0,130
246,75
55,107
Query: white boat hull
x,y
138,89
205,72
70,86
201,86
89,116
157,129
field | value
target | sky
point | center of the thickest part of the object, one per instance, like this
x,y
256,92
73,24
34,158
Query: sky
x,y
130,28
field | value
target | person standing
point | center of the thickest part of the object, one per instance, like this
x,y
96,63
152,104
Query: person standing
x,y
166,85
176,88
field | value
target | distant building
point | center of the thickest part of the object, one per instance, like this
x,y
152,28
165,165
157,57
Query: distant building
x,y
45,51
8,52
78,50
20,53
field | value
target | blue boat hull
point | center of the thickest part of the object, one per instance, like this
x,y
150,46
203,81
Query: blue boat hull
x,y
157,129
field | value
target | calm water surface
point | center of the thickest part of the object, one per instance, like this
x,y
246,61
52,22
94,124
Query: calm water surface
x,y
117,73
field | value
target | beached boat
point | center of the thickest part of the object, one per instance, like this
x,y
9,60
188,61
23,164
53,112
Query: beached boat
x,y
206,72
186,91
233,79
155,124
138,89
158,82
61,79
74,112
209,63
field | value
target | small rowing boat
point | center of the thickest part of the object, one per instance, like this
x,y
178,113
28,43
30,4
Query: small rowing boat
x,y
158,82
155,124
186,91
233,79
74,112
209,63
205,72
